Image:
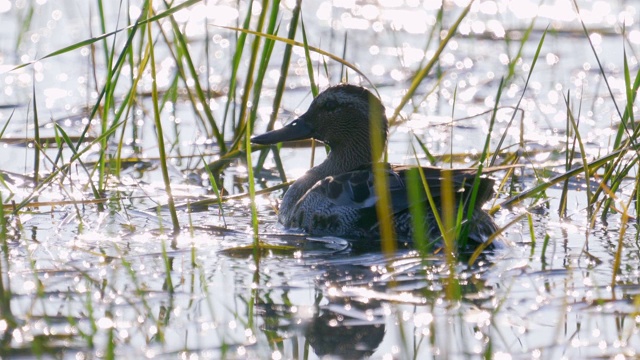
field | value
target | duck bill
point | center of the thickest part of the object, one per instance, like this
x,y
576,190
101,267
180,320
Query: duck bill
x,y
296,130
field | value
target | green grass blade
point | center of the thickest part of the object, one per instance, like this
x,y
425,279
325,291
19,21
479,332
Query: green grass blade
x,y
311,48
523,43
312,81
280,87
418,214
252,197
5,285
216,191
159,130
264,60
585,165
417,79
235,64
427,189
202,98
92,40
623,123
471,205
249,82
593,165
36,135
426,152
524,90
67,140
76,156
381,185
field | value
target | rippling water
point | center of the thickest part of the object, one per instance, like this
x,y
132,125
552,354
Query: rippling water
x,y
75,280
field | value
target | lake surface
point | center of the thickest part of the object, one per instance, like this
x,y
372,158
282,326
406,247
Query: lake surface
x,y
80,282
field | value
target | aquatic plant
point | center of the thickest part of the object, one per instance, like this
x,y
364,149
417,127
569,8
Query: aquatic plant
x,y
155,128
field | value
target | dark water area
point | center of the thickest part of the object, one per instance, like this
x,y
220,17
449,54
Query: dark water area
x,y
82,283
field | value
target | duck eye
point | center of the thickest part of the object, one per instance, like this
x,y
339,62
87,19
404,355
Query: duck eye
x,y
330,105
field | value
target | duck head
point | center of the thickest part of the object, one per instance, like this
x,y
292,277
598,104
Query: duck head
x,y
342,117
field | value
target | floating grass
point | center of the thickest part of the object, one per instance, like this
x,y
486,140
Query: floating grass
x,y
264,249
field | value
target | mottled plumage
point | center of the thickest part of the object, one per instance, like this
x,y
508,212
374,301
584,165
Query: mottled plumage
x,y
337,197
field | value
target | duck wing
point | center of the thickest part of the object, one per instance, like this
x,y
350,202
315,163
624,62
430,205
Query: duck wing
x,y
355,188
352,189
462,183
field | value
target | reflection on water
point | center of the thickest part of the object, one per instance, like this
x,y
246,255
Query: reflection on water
x,y
75,280
75,289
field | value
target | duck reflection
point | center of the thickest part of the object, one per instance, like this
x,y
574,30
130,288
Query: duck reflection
x,y
346,329
357,304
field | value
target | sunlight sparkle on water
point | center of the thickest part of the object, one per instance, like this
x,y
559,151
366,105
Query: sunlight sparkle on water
x,y
422,319
134,12
501,356
350,22
480,317
241,350
5,5
105,323
219,14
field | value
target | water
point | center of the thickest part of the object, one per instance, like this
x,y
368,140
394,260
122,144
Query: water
x,y
80,279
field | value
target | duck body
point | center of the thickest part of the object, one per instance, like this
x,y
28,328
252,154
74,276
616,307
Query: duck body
x,y
337,197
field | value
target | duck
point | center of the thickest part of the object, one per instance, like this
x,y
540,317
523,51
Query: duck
x,y
337,197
